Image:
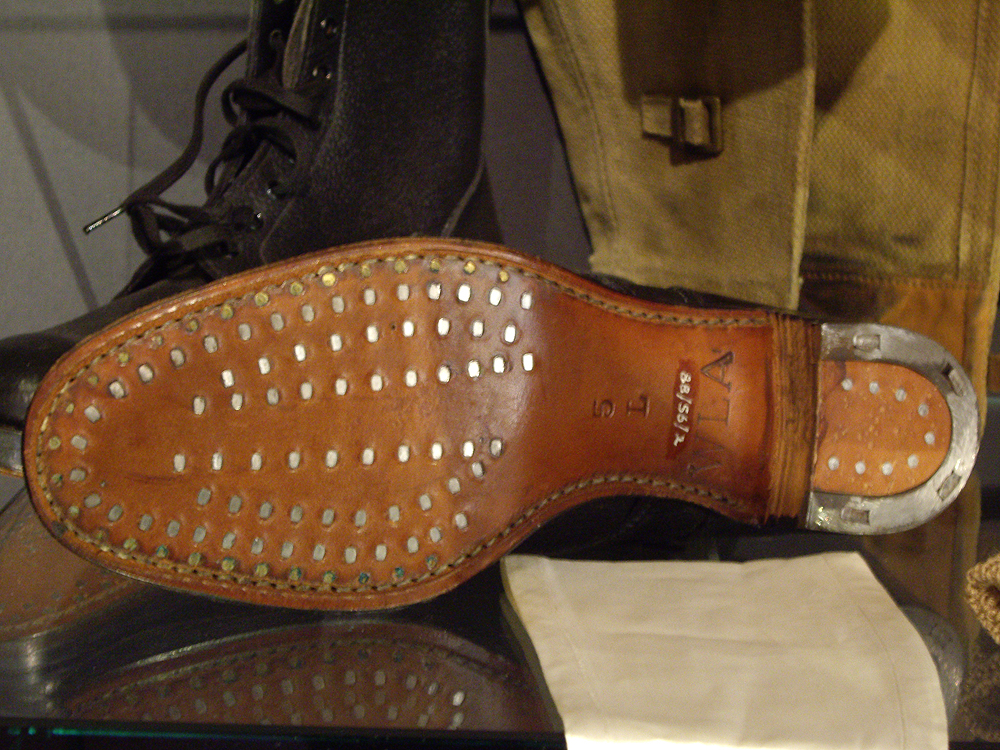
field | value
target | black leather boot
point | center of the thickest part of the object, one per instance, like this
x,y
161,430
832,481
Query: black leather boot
x,y
355,120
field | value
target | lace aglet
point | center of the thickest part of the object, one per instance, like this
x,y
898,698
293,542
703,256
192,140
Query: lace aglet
x,y
103,220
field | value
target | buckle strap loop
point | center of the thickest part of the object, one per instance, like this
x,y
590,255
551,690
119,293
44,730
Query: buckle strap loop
x,y
693,123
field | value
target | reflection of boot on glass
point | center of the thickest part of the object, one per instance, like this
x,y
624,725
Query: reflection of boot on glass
x,y
352,122
370,674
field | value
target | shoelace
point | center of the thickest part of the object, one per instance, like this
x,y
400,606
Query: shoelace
x,y
175,235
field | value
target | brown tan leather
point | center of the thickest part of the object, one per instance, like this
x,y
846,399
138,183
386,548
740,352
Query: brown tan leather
x,y
122,469
43,586
370,675
883,429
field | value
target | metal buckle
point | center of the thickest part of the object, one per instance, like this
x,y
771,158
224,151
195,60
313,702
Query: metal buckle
x,y
689,122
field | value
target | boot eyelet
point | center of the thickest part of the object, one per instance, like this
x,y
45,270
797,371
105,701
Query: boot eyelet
x,y
321,71
328,26
271,191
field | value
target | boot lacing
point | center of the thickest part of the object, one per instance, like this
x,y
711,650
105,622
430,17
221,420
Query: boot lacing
x,y
179,238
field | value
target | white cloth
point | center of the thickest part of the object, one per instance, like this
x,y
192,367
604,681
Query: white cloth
x,y
807,653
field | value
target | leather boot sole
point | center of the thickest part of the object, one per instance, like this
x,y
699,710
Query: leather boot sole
x,y
370,427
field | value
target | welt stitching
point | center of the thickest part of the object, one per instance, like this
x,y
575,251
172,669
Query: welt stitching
x,y
279,585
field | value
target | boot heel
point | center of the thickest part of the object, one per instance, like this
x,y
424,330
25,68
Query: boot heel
x,y
897,430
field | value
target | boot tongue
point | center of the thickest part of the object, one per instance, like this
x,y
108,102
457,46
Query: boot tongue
x,y
293,66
